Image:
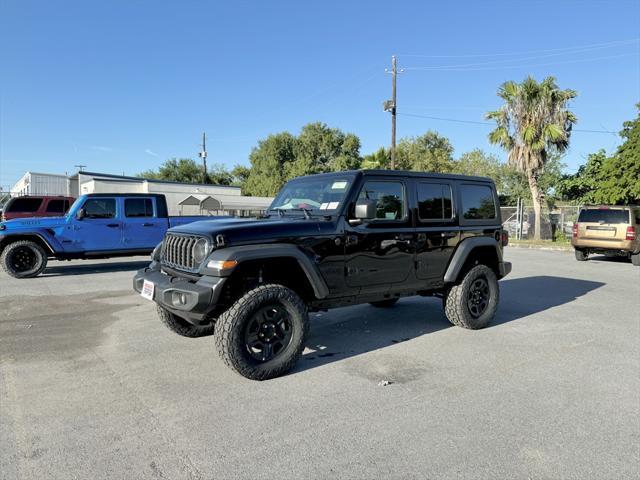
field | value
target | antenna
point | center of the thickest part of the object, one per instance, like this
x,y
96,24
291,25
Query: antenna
x,y
80,167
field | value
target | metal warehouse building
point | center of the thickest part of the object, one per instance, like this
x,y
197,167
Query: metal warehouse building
x,y
182,198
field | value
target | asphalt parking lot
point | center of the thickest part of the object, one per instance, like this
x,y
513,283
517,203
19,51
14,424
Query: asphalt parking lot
x,y
93,386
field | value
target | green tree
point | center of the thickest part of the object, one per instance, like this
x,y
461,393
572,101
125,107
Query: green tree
x,y
268,162
282,156
532,124
240,173
321,149
177,170
430,152
582,185
621,173
378,159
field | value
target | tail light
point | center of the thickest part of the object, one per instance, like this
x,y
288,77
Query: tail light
x,y
504,238
574,231
631,233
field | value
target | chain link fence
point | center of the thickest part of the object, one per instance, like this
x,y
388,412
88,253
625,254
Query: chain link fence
x,y
554,224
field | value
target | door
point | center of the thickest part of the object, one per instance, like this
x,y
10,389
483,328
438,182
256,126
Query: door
x,y
100,229
436,232
379,252
141,227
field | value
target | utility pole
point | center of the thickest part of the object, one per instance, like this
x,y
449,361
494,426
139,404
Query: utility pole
x,y
390,106
203,156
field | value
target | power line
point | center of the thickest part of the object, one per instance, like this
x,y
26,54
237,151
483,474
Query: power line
x,y
493,62
530,52
477,122
453,68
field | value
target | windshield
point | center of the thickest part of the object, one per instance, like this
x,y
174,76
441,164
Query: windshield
x,y
317,195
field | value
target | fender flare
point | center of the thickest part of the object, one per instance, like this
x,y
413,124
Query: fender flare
x,y
279,250
462,253
6,239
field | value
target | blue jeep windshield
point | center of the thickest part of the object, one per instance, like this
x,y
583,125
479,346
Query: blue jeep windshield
x,y
315,194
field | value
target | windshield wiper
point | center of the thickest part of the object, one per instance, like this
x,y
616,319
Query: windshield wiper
x,y
305,211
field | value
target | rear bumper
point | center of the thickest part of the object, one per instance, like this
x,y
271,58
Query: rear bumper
x,y
604,245
504,268
189,299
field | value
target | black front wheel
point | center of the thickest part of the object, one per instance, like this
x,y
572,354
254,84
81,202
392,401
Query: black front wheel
x,y
263,334
473,302
24,259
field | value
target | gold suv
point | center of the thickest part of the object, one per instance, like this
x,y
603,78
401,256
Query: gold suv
x,y
612,230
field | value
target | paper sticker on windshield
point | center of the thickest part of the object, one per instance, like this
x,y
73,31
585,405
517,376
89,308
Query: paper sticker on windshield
x,y
324,206
333,205
341,185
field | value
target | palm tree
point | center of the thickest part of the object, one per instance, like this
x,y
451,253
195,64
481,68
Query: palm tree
x,y
532,124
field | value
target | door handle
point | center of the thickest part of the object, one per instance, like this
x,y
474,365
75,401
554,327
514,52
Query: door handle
x,y
148,224
113,225
448,235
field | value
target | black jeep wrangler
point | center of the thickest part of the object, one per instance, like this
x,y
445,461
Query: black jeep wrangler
x,y
328,241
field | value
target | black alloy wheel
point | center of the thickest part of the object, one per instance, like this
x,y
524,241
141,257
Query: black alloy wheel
x,y
478,297
268,333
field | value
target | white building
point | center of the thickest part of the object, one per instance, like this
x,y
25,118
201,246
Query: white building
x,y
182,198
33,183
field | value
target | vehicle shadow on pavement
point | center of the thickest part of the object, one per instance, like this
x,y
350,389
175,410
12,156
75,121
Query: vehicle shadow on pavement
x,y
61,269
344,333
521,297
351,331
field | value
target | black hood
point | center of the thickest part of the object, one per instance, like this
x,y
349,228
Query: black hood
x,y
259,230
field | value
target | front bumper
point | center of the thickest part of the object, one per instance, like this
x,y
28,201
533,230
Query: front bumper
x,y
504,268
189,299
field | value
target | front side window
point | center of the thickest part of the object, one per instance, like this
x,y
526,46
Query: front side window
x,y
100,208
318,195
389,198
24,204
477,202
434,201
138,207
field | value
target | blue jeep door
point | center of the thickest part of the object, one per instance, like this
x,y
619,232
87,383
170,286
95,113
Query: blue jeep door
x,y
100,229
141,226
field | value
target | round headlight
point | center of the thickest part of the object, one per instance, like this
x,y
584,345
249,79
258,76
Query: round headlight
x,y
200,250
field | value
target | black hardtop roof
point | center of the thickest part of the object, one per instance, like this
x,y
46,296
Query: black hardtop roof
x,y
404,173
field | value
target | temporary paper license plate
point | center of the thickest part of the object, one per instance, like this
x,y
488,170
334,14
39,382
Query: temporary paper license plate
x,y
147,290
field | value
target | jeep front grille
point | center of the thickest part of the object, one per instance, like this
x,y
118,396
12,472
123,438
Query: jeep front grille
x,y
177,252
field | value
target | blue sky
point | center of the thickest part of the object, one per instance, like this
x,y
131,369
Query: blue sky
x,y
122,85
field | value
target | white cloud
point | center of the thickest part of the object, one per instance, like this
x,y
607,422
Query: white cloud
x,y
151,152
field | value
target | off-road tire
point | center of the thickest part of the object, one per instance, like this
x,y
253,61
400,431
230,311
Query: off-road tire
x,y
231,325
635,259
183,327
7,259
455,299
581,255
390,302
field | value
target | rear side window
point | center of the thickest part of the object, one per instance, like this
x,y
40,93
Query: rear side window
x,y
100,208
57,206
434,201
477,202
138,207
24,204
389,197
604,215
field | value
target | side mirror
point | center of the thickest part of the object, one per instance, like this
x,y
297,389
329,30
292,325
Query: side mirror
x,y
365,209
80,214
